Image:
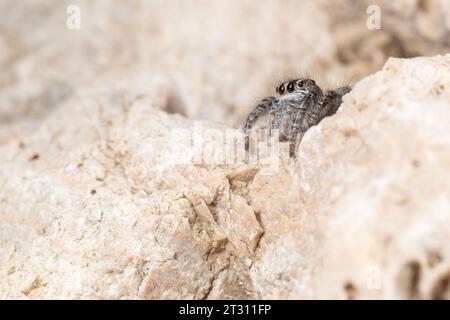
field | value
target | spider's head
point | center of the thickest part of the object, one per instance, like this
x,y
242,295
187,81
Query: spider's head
x,y
296,86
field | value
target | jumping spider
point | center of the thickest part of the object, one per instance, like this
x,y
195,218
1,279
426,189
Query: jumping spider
x,y
300,104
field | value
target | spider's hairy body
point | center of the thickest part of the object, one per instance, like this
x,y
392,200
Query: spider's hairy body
x,y
300,104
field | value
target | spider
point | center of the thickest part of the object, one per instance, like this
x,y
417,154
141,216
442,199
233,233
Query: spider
x,y
300,104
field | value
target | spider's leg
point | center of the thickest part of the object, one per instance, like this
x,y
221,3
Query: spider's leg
x,y
264,106
294,143
332,101
301,121
294,132
271,121
311,110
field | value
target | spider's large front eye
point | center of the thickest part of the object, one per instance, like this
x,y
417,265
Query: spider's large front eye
x,y
290,87
300,83
281,89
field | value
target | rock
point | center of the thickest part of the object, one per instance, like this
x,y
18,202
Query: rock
x,y
366,212
102,201
103,194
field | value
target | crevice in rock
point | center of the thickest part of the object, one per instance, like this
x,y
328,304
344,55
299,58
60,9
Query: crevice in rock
x,y
213,280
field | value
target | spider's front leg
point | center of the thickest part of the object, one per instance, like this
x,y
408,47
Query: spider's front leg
x,y
302,119
271,121
331,101
312,109
309,113
266,105
294,132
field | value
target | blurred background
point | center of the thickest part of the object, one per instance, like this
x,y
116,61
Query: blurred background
x,y
205,59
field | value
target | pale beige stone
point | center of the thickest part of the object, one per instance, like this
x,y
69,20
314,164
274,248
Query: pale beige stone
x,y
368,205
102,195
88,210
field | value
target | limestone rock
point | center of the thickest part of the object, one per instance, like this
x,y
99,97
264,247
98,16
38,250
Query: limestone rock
x,y
103,195
103,200
365,211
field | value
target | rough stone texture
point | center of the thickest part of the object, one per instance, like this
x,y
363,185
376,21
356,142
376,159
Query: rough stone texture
x,y
94,203
366,213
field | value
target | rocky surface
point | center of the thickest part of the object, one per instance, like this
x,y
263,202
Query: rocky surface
x,y
104,195
104,200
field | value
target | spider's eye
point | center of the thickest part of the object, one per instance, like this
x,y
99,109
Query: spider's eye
x,y
281,89
290,87
300,83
